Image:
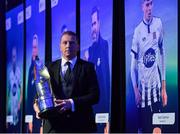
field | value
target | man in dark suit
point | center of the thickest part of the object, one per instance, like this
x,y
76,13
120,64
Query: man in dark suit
x,y
35,125
99,55
74,84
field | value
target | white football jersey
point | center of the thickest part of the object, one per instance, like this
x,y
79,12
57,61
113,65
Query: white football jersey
x,y
15,84
146,47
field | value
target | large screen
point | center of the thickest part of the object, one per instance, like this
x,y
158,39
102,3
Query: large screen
x,y
151,66
96,47
14,74
63,19
35,46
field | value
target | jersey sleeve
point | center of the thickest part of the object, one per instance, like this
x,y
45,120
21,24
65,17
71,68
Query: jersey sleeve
x,y
134,57
162,51
134,48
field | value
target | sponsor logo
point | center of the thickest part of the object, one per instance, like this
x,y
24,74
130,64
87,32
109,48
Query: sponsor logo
x,y
8,24
54,3
42,5
20,17
154,35
144,39
149,58
28,12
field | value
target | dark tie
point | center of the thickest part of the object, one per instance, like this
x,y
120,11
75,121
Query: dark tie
x,y
68,71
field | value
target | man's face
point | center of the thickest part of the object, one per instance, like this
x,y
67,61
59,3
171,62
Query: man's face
x,y
14,56
34,49
95,27
69,46
147,9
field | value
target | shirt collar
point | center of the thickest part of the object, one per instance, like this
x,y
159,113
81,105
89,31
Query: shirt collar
x,y
147,23
72,61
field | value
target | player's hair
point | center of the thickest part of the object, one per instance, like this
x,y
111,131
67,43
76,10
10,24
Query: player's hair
x,y
35,37
71,33
14,49
144,1
63,28
94,10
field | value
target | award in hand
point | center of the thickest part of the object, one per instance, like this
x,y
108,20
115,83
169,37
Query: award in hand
x,y
45,97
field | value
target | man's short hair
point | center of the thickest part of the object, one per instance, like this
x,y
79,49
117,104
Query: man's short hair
x,y
63,28
35,37
94,10
14,48
71,33
144,0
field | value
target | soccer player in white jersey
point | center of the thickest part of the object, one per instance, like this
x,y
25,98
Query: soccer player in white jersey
x,y
15,93
148,67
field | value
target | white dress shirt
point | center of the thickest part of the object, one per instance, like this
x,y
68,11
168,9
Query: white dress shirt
x,y
64,67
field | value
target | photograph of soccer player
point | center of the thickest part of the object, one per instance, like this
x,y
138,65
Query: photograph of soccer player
x,y
148,68
14,94
98,53
35,125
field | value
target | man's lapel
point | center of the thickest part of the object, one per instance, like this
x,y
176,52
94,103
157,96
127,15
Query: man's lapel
x,y
56,70
75,75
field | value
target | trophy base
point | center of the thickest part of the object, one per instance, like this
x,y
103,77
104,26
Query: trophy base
x,y
48,112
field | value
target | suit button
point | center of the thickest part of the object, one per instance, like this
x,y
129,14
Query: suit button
x,y
68,116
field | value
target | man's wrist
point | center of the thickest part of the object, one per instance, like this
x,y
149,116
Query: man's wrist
x,y
72,105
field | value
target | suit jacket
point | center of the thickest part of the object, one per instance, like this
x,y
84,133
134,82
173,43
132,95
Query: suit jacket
x,y
31,93
85,93
99,55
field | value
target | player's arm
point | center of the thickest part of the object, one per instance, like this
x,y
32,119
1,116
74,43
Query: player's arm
x,y
134,57
163,74
163,67
20,88
134,80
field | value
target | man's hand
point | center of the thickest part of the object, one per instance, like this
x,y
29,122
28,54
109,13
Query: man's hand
x,y
106,128
20,101
63,104
164,94
30,127
36,109
137,97
86,55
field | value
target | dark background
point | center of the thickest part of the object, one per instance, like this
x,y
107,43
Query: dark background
x,y
118,59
